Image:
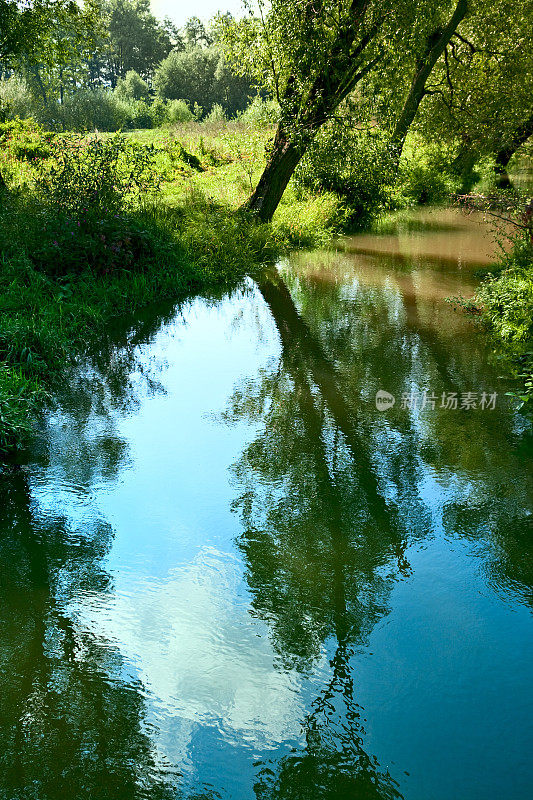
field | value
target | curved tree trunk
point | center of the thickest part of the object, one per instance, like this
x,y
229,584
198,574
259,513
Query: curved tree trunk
x,y
435,47
504,155
273,182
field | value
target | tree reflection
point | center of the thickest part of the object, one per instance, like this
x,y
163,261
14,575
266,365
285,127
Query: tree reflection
x,y
331,496
71,726
73,719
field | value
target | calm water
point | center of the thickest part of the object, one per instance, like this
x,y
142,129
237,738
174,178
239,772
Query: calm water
x,y
226,574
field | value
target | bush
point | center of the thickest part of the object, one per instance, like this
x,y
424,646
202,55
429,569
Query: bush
x,y
90,109
425,175
132,87
216,114
261,112
310,222
178,111
188,75
507,310
25,140
16,100
357,165
97,174
507,300
86,193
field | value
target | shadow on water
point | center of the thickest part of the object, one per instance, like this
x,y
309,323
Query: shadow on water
x,y
334,500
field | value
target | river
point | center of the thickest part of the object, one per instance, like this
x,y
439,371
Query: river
x,y
227,573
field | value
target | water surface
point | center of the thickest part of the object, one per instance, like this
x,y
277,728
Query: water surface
x,y
226,573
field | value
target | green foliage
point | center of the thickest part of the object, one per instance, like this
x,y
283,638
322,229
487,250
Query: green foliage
x,y
91,109
507,299
49,30
132,87
310,221
24,140
260,112
216,114
135,40
19,400
356,164
507,310
104,175
200,76
425,173
16,100
178,111
482,91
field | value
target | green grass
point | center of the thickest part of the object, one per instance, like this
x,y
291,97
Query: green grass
x,y
506,304
64,274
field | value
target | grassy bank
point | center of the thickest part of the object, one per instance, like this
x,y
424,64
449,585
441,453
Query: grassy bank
x,y
92,227
505,303
91,232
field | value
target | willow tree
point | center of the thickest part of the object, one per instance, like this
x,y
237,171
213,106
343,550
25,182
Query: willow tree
x,y
480,93
311,54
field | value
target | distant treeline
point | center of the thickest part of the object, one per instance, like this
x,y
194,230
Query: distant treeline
x,y
141,72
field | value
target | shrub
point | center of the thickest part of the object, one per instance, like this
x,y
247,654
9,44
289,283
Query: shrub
x,y
16,99
90,109
507,299
132,87
216,114
358,165
178,111
310,222
260,112
425,175
97,174
507,310
25,140
188,75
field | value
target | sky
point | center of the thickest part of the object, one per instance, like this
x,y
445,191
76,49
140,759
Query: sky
x,y
180,10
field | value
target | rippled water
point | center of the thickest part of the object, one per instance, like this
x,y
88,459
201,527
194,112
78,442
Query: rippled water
x,y
226,573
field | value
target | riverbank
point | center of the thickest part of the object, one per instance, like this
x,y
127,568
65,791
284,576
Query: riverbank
x,y
95,227
504,303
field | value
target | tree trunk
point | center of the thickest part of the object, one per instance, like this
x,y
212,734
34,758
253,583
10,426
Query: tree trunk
x,y
463,166
273,182
504,155
435,47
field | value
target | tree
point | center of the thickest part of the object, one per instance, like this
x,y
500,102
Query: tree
x,y
435,46
312,55
33,31
195,33
188,75
135,40
133,87
202,75
480,93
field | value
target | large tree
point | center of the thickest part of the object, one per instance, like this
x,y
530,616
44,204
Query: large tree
x,y
480,94
311,54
